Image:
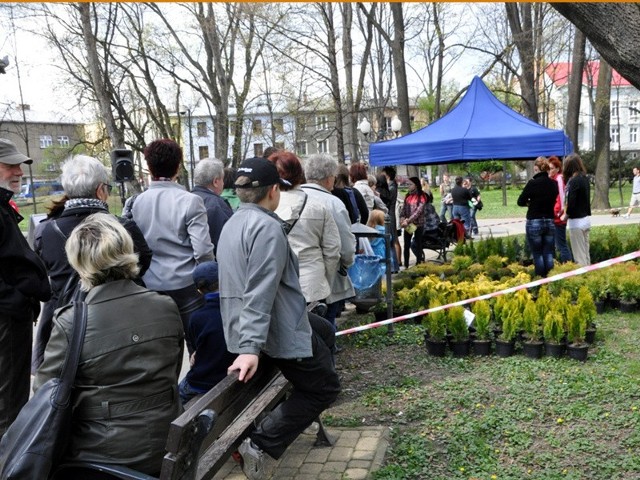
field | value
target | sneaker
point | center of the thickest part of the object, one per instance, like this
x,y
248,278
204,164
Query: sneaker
x,y
253,460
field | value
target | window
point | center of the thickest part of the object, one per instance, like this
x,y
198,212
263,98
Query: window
x,y
45,141
633,109
278,125
258,149
634,155
203,152
323,146
321,122
257,130
63,141
301,148
201,128
614,108
387,124
615,135
633,134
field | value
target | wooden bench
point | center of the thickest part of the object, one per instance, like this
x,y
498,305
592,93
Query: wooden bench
x,y
212,427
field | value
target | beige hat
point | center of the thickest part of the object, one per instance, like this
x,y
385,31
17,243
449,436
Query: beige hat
x,y
10,155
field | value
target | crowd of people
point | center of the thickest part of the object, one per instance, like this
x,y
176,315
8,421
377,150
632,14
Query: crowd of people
x,y
232,270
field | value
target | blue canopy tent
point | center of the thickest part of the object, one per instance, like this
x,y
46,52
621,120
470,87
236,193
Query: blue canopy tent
x,y
480,127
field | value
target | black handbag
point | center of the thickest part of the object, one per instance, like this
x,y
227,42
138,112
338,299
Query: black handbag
x,y
37,439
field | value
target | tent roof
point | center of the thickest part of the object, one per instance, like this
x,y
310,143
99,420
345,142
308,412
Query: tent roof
x,y
480,127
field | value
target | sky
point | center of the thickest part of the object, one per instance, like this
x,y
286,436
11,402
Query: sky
x,y
49,100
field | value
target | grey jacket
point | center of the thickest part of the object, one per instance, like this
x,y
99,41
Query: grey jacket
x,y
174,224
126,386
342,287
262,305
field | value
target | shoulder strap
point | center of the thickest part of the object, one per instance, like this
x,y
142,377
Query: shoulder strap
x,y
70,366
304,203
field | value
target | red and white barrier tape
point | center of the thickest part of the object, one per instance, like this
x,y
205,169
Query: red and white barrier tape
x,y
535,283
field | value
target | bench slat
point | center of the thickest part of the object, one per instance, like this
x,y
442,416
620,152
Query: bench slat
x,y
228,399
212,459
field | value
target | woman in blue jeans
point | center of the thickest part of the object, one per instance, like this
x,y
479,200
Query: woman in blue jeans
x,y
539,195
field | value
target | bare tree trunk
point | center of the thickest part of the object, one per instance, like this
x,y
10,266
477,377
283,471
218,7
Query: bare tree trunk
x,y
97,76
399,67
603,115
350,118
575,88
332,55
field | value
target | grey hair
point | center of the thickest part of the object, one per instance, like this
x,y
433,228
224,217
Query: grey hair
x,y
320,166
81,176
207,170
251,195
101,250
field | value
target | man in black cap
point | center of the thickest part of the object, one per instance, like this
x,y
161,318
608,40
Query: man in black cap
x,y
23,285
265,316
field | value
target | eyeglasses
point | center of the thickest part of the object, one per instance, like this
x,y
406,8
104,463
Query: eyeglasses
x,y
109,187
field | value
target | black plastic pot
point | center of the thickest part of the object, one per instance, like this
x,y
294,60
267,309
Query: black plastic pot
x,y
578,352
590,334
533,349
627,306
600,306
435,348
554,350
505,349
481,348
459,348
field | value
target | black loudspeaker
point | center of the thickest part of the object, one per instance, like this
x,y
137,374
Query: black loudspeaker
x,y
122,165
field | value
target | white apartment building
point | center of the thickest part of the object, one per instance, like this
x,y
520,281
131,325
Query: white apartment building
x,y
624,104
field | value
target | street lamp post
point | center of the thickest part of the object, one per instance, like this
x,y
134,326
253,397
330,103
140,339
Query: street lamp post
x,y
188,113
365,129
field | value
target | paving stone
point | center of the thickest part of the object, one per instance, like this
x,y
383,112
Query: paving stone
x,y
340,454
334,467
356,473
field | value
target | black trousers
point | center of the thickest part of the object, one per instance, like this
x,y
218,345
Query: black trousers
x,y
315,387
15,364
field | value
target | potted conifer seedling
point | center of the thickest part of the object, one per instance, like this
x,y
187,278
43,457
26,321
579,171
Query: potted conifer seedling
x,y
459,331
532,346
589,311
482,342
553,329
435,322
577,348
505,343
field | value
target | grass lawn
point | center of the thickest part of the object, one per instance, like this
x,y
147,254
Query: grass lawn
x,y
493,418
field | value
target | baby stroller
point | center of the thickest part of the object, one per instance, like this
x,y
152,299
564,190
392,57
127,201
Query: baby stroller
x,y
439,236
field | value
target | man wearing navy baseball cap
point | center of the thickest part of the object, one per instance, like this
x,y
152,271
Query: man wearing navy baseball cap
x,y
265,316
23,285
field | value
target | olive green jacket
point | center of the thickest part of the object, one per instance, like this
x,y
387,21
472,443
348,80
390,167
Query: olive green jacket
x,y
126,386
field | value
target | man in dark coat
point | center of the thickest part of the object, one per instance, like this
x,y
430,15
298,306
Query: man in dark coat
x,y
23,285
209,183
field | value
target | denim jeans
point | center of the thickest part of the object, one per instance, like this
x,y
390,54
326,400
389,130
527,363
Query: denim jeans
x,y
472,217
561,243
463,212
443,211
541,238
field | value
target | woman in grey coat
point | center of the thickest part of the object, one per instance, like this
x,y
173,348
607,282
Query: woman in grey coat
x,y
125,394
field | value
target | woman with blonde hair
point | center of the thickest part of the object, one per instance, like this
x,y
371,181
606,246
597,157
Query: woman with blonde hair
x,y
126,384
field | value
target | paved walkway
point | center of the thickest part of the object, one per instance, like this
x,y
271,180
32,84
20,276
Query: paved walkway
x,y
357,452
